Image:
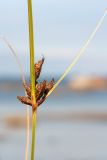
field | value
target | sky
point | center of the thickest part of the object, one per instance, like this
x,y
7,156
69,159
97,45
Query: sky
x,y
61,28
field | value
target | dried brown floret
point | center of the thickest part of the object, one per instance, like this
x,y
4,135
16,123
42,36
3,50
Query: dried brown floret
x,y
38,67
25,100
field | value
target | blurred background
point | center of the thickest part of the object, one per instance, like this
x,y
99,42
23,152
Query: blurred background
x,y
72,123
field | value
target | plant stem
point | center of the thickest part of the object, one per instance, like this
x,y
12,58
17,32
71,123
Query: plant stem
x,y
31,44
33,134
32,76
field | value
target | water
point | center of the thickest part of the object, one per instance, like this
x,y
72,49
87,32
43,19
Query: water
x,y
57,139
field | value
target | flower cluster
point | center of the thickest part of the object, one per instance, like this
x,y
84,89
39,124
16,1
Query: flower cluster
x,y
41,88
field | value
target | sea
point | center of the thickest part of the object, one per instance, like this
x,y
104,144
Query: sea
x,y
60,134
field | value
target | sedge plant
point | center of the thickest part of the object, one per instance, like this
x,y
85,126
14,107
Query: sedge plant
x,y
38,93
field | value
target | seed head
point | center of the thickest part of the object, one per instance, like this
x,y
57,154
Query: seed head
x,y
41,88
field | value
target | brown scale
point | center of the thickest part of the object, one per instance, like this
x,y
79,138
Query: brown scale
x,y
42,88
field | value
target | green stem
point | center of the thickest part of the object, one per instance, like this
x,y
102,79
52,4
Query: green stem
x,y
32,76
31,44
33,134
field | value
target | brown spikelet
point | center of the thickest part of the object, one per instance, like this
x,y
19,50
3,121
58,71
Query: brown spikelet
x,y
25,100
49,85
40,88
38,67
